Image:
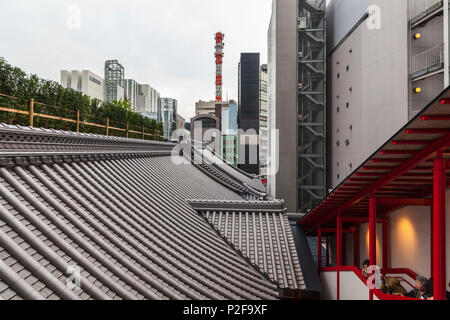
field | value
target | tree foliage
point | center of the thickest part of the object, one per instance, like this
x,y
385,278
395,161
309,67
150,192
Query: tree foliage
x,y
53,99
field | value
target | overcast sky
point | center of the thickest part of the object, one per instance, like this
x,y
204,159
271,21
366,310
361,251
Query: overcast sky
x,y
168,44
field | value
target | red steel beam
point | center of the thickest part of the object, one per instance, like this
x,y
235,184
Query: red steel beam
x,y
418,175
335,230
359,220
404,202
362,180
426,131
397,152
368,174
378,168
412,142
407,165
436,117
388,160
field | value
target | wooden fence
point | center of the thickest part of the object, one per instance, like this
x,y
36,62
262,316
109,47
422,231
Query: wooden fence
x,y
31,114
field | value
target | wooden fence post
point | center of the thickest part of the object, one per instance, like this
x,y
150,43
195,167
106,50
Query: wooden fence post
x,y
78,120
143,132
128,128
31,114
107,126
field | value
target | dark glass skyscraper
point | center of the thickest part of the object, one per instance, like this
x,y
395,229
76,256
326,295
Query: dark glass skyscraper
x,y
248,115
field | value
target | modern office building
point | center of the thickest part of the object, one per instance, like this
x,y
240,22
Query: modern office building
x,y
297,78
230,148
131,88
229,117
263,125
205,127
221,116
227,111
380,76
249,112
181,122
84,81
229,131
205,107
114,81
147,100
143,97
167,115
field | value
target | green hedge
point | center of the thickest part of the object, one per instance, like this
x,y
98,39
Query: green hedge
x,y
49,94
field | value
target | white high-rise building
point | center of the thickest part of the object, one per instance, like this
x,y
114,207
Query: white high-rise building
x,y
84,81
131,92
143,97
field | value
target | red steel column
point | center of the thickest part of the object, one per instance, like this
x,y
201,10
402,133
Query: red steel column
x,y
431,242
319,250
373,231
339,251
356,261
339,240
439,272
327,249
385,243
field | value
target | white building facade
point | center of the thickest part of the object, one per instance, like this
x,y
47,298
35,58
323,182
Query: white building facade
x,y
143,97
84,81
375,67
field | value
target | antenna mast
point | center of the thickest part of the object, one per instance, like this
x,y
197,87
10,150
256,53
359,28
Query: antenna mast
x,y
219,61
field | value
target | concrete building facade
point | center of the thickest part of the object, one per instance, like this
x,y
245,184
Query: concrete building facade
x,y
143,97
249,112
181,122
114,81
167,115
263,125
205,107
229,117
297,73
131,88
84,81
380,76
229,129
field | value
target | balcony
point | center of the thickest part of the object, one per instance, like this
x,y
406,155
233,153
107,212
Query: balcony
x,y
422,11
427,63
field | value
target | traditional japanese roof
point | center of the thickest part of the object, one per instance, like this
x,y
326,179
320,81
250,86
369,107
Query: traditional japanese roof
x,y
114,214
261,233
399,173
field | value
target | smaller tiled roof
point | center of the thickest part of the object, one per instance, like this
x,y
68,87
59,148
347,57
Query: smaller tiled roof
x,y
261,233
250,187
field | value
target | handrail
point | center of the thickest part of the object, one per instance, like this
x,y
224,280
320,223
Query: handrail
x,y
377,292
421,7
406,271
31,113
427,59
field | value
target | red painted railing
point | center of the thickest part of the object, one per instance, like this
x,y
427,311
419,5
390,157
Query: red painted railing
x,y
378,293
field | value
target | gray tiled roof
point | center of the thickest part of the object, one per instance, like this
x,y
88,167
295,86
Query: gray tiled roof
x,y
260,231
121,217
